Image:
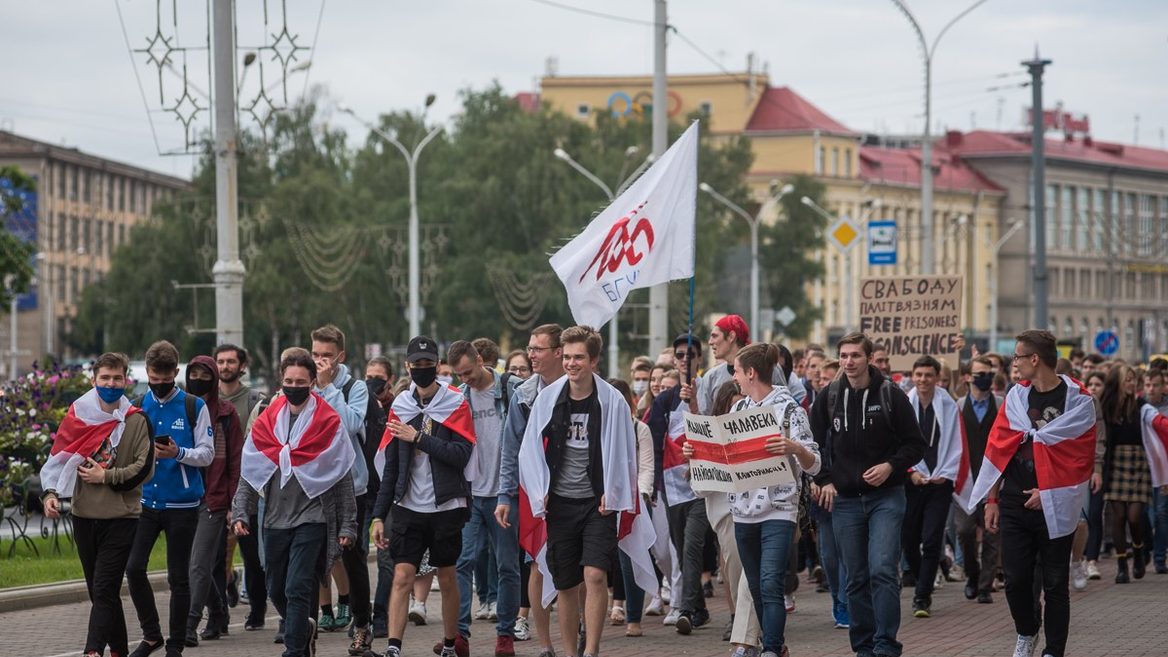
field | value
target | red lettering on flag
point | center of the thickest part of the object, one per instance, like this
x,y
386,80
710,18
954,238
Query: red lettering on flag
x,y
620,245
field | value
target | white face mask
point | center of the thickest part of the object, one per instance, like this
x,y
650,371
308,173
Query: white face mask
x,y
639,387
445,380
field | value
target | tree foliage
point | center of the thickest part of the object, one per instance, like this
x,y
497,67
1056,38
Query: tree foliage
x,y
787,251
312,205
15,269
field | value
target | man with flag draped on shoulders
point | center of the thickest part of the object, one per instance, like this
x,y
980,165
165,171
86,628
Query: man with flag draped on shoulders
x,y
1037,465
101,455
426,466
298,456
578,478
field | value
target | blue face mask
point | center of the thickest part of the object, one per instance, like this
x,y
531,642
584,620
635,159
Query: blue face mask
x,y
110,395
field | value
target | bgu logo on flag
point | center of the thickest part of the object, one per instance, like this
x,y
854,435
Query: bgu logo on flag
x,y
620,245
643,238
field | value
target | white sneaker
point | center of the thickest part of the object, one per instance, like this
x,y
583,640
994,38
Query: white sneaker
x,y
666,594
483,611
522,629
1093,571
671,617
493,612
418,613
789,601
1025,646
1078,576
656,607
939,580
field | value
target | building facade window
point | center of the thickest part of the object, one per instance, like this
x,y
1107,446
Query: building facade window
x,y
819,155
1098,213
1082,220
835,164
1145,227
848,162
1067,218
1051,215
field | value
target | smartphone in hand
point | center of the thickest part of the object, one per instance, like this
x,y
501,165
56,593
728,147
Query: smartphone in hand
x,y
162,440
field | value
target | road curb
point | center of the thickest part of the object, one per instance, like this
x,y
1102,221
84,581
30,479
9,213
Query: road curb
x,y
47,595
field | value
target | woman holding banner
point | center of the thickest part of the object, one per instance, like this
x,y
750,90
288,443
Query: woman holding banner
x,y
765,518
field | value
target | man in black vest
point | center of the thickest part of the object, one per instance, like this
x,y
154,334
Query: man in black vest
x,y
978,410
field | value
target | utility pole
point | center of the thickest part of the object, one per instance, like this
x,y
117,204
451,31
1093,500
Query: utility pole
x,y
1038,176
228,271
659,294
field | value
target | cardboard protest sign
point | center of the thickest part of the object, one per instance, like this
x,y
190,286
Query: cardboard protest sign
x,y
912,316
730,451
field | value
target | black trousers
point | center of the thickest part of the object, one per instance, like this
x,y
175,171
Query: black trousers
x,y
1026,548
356,563
104,547
688,529
980,571
179,526
253,573
923,533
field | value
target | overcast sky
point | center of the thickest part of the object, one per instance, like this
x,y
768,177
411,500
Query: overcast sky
x,y
71,79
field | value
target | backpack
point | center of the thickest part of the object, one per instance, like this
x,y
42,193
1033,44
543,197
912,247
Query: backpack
x,y
375,419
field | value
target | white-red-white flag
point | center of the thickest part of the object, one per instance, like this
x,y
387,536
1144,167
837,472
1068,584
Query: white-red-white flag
x,y
644,238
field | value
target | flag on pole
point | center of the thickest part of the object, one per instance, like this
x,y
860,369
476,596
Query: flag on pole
x,y
644,238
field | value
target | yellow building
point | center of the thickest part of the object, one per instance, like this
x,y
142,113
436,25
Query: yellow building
x,y
789,135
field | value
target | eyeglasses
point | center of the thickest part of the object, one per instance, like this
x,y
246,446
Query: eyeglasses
x,y
1021,356
519,369
533,349
684,355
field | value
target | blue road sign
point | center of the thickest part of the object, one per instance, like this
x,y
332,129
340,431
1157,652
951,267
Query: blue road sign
x,y
881,242
1106,343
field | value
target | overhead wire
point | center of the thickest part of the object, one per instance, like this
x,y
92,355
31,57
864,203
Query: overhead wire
x,y
137,77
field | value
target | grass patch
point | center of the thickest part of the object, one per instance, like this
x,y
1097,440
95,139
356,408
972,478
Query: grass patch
x,y
26,568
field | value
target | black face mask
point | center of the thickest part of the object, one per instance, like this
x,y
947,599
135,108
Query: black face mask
x,y
424,376
376,385
983,382
200,387
161,390
296,395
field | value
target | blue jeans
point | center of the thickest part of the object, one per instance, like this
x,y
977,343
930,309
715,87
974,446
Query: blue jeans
x,y
294,558
1159,513
480,527
833,566
867,533
486,574
764,549
634,596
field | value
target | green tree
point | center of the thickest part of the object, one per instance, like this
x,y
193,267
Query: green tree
x,y
786,254
324,230
15,270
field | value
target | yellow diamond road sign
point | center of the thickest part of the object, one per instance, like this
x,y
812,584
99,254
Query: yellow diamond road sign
x,y
844,233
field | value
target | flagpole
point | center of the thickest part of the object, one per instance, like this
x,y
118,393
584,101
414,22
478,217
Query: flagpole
x,y
689,329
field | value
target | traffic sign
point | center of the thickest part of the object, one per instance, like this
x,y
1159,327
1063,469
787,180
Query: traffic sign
x,y
844,233
882,242
785,316
1106,343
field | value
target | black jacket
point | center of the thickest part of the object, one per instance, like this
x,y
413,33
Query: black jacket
x,y
449,453
854,439
555,434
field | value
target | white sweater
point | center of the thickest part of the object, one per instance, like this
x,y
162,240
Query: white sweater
x,y
780,502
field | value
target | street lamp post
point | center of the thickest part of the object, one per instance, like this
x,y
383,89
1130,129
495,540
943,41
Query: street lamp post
x,y
613,331
996,247
415,276
754,221
927,51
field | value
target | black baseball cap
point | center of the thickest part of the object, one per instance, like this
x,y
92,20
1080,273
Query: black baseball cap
x,y
421,348
686,339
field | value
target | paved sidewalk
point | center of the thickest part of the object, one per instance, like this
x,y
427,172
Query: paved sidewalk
x,y
1106,621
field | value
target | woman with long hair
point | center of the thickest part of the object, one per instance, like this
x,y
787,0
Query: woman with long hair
x,y
1127,479
1094,384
